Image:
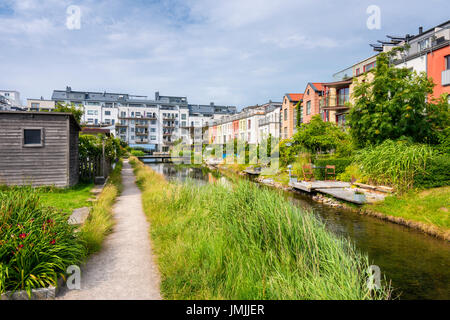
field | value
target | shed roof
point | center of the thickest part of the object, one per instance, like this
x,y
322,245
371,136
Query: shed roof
x,y
65,114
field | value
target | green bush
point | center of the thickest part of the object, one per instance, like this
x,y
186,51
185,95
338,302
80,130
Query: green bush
x,y
340,164
36,243
137,153
436,174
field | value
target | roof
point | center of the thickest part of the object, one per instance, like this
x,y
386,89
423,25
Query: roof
x,y
71,116
317,86
294,97
88,130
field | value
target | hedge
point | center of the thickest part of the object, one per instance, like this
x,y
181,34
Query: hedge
x,y
341,164
437,173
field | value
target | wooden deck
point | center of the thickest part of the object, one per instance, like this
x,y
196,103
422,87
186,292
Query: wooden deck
x,y
310,186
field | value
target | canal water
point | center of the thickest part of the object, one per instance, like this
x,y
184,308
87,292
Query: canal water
x,y
417,265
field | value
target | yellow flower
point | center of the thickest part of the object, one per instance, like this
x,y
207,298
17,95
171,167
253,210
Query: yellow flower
x,y
377,131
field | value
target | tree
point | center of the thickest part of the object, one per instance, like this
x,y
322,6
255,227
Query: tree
x,y
71,108
394,105
319,136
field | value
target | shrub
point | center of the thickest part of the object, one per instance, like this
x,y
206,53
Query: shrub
x,y
137,153
36,243
436,174
340,165
352,172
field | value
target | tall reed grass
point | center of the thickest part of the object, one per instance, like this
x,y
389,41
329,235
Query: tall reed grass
x,y
216,242
394,163
100,221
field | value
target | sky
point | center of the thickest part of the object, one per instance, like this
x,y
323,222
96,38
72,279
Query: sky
x,y
231,52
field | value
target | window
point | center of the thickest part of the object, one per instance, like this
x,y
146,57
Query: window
x,y
447,62
358,71
152,129
33,137
35,106
249,125
153,122
113,121
107,113
123,114
183,123
285,114
153,138
424,44
370,66
343,96
92,112
308,107
183,116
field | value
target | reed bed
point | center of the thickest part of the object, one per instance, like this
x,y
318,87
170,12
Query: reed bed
x,y
394,163
244,242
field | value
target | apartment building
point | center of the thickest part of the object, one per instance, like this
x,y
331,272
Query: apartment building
x,y
428,51
311,100
247,125
40,104
288,115
150,124
10,100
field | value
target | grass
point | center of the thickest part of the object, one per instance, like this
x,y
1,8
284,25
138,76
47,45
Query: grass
x,y
430,207
100,221
244,242
66,199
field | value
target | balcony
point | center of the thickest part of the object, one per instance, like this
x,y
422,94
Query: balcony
x,y
141,133
141,125
146,117
121,125
143,141
445,77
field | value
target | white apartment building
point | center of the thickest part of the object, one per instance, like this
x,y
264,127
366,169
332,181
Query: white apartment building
x,y
10,100
150,124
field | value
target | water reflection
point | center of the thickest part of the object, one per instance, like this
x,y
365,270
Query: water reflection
x,y
418,265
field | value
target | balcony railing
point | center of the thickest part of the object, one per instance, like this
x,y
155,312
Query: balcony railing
x,y
142,141
141,133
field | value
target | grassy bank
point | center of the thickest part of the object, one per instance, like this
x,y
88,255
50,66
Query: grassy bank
x,y
100,221
66,199
430,207
214,242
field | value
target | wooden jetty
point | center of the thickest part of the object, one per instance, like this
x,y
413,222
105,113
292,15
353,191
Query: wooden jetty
x,y
310,186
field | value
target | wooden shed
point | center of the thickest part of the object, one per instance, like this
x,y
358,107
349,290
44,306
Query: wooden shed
x,y
38,148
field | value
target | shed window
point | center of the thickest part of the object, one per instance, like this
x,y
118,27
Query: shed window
x,y
33,137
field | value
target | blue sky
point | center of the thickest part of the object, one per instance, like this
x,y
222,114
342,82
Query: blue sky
x,y
234,52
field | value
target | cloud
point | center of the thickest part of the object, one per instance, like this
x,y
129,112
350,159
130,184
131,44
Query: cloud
x,y
238,52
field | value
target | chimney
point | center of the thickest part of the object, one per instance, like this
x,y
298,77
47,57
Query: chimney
x,y
157,95
420,30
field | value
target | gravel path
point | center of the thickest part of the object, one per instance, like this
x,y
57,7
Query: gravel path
x,y
125,267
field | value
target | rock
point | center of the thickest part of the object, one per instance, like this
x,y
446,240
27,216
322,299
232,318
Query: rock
x,y
79,216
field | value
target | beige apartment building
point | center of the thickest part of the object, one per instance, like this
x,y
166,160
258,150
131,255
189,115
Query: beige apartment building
x,y
40,104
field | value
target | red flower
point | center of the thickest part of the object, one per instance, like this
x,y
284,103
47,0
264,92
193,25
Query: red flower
x,y
22,235
19,247
53,241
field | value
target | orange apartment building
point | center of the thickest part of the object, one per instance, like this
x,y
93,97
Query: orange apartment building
x,y
288,115
438,68
311,100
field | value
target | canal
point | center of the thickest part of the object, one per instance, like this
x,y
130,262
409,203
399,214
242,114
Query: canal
x,y
417,265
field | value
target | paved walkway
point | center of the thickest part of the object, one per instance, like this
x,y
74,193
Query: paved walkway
x,y
125,267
